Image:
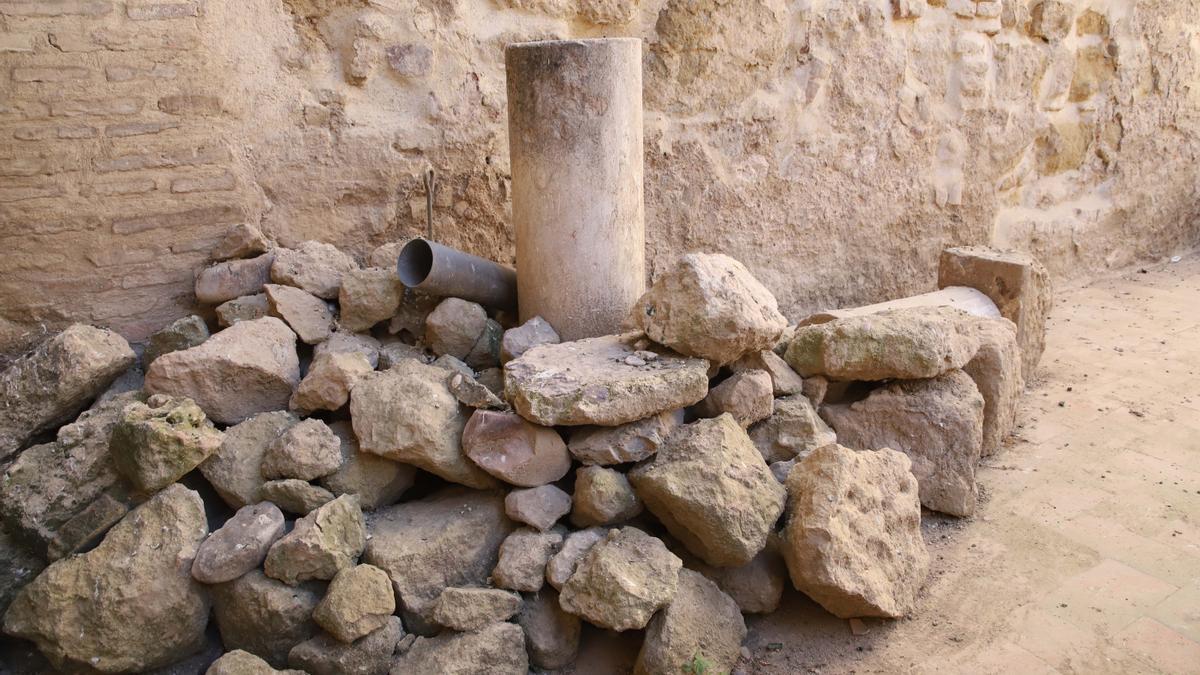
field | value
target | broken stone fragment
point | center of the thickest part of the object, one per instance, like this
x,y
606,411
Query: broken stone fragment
x,y
784,380
523,558
540,507
312,266
91,610
793,430
340,342
534,332
233,279
306,450
701,624
322,543
562,564
52,383
449,539
377,481
757,586
846,507
938,423
514,450
306,314
907,344
631,442
408,414
728,521
746,395
238,662
551,635
235,471
410,317
183,333
455,327
622,581
473,393
329,380
263,616
496,649
156,443
240,241
395,352
710,306
473,608
370,655
244,308
815,389
248,368
603,497
295,496
359,601
590,382
369,296
996,371
240,545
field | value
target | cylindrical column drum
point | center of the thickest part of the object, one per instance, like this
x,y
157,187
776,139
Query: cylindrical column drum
x,y
575,140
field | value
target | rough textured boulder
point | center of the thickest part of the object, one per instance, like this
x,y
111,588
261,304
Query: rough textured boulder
x,y
450,539
701,625
306,314
713,491
906,344
562,565
794,429
50,384
359,601
295,496
240,545
233,279
235,471
540,507
244,308
455,327
313,266
407,414
238,662
130,604
473,608
60,496
601,381
938,423
183,333
327,384
746,395
709,305
534,332
631,442
377,481
551,635
497,649
784,380
523,558
996,371
853,536
603,497
369,296
513,450
263,616
306,450
370,655
156,443
622,581
240,240
320,545
248,368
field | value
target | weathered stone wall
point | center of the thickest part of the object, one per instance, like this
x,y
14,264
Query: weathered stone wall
x,y
834,146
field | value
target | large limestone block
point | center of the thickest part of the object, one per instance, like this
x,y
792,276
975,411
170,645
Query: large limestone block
x,y
709,305
540,507
183,333
359,601
904,344
50,384
603,497
793,429
321,544
306,314
154,445
128,605
312,266
513,450
233,279
248,368
523,557
408,414
601,381
1018,284
327,384
713,491
239,662
497,649
370,655
938,423
240,240
263,616
622,581
450,539
701,625
474,608
996,371
631,442
307,450
369,296
747,395
235,472
853,536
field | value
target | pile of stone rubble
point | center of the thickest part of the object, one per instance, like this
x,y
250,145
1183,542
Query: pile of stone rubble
x,y
404,484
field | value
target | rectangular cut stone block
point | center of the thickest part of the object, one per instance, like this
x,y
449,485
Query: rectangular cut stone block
x,y
127,129
104,106
17,42
49,74
56,8
209,215
162,10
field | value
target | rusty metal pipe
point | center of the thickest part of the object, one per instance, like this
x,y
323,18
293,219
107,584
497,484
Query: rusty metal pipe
x,y
433,269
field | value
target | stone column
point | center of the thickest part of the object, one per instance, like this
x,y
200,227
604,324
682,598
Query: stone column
x,y
575,140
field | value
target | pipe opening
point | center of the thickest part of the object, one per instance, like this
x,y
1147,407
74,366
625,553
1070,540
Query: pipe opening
x,y
415,262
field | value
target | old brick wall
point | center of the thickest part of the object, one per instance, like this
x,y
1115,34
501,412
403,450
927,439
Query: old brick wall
x,y
835,146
